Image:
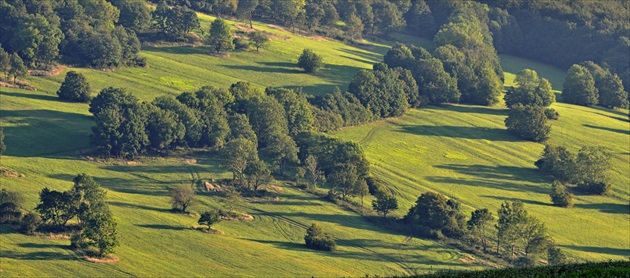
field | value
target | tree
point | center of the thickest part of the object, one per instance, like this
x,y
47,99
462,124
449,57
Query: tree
x,y
477,225
296,106
399,56
611,92
100,231
182,197
528,122
310,61
5,63
555,256
257,174
354,26
579,87
315,238
236,155
312,170
434,82
220,35
385,203
530,91
164,128
74,88
232,199
258,39
18,69
245,11
90,198
57,207
560,196
240,128
344,180
558,162
433,215
516,229
134,15
592,167
30,222
209,218
10,206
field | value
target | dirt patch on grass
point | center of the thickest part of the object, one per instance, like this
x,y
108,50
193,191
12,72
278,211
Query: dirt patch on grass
x,y
189,161
220,54
274,187
19,84
54,236
54,71
207,230
238,216
108,259
8,173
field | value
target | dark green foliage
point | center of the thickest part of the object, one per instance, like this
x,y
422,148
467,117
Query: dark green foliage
x,y
579,87
385,203
325,120
310,61
30,222
551,114
560,196
528,122
477,225
312,171
420,19
240,128
258,39
3,147
344,180
174,22
315,238
245,10
220,35
57,207
5,63
90,198
434,216
189,117
434,82
74,88
10,206
134,14
555,256
345,105
530,91
518,231
99,231
331,152
240,44
601,269
381,91
120,124
558,162
182,197
164,128
209,218
611,92
299,115
399,56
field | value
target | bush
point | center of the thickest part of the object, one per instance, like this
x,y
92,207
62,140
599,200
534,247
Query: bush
x,y
310,61
240,43
74,88
528,122
140,62
560,196
30,222
552,114
209,218
316,239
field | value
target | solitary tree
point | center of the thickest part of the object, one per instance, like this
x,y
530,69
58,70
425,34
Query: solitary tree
x,y
182,197
315,238
209,218
385,203
611,92
258,39
100,231
257,174
310,61
528,122
74,88
220,35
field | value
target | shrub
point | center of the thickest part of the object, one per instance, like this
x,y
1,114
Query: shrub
x,y
30,222
552,114
555,256
240,43
209,218
598,188
310,61
528,122
560,196
140,62
316,239
74,88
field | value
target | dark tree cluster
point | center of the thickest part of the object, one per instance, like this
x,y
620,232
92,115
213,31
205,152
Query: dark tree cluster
x,y
92,33
434,216
12,65
528,116
173,23
95,231
531,90
317,239
590,84
588,169
74,88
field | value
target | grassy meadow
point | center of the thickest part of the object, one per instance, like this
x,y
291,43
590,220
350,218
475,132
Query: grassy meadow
x,y
461,151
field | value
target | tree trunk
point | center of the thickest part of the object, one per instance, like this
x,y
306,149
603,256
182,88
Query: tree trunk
x,y
250,20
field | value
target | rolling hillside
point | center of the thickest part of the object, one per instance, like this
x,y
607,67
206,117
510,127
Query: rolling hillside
x,y
461,151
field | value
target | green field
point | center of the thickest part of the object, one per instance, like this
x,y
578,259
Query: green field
x,y
462,151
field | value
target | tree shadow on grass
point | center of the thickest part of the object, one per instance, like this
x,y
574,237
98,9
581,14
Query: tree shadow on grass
x,y
464,132
129,186
36,256
601,250
183,50
496,177
476,109
162,227
136,206
607,207
622,131
36,96
41,245
287,68
45,133
526,201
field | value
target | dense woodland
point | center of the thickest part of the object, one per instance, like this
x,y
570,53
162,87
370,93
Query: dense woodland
x,y
260,135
